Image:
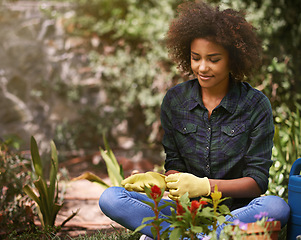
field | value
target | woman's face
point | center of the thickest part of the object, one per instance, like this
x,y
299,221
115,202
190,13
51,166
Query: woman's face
x,y
210,63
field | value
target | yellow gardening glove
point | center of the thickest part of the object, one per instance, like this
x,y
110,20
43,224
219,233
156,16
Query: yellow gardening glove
x,y
180,183
138,181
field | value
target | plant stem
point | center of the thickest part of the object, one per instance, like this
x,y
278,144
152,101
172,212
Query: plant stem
x,y
157,218
215,214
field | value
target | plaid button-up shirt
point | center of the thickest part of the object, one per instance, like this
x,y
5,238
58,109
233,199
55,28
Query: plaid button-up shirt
x,y
235,142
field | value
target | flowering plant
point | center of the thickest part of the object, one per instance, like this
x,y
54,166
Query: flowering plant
x,y
156,194
263,227
188,218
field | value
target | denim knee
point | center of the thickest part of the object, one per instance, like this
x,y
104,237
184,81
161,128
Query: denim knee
x,y
274,206
107,199
277,209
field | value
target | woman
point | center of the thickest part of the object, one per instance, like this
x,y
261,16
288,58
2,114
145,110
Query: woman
x,y
218,129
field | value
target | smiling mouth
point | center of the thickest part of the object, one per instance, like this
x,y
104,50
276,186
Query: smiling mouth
x,y
205,77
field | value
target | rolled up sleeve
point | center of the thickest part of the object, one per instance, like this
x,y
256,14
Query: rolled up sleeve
x,y
258,155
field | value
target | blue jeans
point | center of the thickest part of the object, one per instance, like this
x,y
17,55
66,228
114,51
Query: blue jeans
x,y
127,209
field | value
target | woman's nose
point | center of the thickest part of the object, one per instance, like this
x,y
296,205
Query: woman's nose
x,y
203,67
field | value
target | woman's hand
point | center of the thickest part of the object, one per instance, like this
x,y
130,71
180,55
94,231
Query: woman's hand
x,y
138,181
180,183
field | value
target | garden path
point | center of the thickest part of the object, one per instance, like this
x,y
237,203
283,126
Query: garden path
x,y
83,195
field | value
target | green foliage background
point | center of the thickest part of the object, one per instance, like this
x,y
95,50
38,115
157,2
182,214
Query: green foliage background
x,y
134,67
131,60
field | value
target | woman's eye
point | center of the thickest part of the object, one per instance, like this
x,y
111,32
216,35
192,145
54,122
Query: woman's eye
x,y
214,60
195,58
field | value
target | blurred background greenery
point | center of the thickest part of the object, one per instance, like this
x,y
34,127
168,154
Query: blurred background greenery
x,y
72,70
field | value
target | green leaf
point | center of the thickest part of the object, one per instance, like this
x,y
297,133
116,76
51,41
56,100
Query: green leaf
x,y
36,159
140,228
196,229
112,168
31,194
154,232
56,208
176,233
221,219
224,209
165,234
178,224
111,154
164,206
147,192
40,215
92,178
152,205
148,219
45,203
223,199
278,144
184,199
53,172
121,171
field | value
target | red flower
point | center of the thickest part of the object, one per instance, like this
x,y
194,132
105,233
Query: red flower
x,y
203,203
194,206
155,192
180,209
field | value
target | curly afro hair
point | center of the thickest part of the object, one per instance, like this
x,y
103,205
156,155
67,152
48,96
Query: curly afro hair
x,y
227,28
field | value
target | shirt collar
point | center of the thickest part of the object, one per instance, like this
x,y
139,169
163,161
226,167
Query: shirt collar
x,y
196,96
229,102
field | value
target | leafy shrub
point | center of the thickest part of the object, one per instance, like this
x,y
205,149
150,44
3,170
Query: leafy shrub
x,y
277,23
287,150
15,211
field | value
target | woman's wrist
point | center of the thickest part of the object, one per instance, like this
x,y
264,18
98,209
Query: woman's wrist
x,y
171,172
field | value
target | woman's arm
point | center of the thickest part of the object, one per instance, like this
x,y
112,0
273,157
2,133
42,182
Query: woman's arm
x,y
173,159
245,187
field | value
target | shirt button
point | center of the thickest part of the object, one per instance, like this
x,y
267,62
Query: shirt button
x,y
207,148
232,131
209,129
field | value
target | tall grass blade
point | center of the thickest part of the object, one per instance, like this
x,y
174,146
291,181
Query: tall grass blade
x,y
110,152
36,159
31,194
113,170
45,203
53,173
